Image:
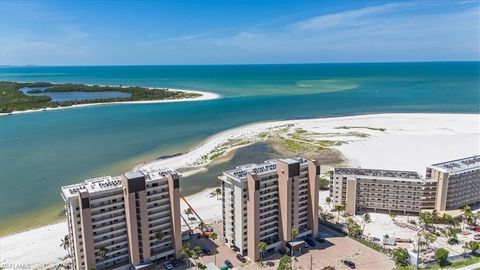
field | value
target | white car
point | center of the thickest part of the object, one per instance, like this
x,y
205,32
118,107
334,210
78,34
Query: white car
x,y
476,237
168,265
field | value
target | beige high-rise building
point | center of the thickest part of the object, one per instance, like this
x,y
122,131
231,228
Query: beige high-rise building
x,y
264,202
381,190
458,182
123,221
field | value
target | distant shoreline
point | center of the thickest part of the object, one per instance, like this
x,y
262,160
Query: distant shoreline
x,y
204,96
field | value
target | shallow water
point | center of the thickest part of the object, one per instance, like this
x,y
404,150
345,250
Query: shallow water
x,y
39,152
75,95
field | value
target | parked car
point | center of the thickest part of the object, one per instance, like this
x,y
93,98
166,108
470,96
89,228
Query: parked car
x,y
270,264
476,237
375,239
453,241
168,265
310,242
228,263
241,258
350,264
206,251
174,262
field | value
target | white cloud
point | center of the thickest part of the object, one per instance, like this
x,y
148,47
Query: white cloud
x,y
342,19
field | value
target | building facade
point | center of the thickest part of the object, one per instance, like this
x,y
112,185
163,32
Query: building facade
x,y
458,182
123,221
264,202
381,190
447,186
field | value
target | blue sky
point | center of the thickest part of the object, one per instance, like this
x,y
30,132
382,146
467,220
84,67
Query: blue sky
x,y
230,32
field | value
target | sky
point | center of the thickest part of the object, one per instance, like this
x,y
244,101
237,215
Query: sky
x,y
236,32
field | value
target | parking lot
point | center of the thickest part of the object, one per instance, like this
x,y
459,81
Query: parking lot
x,y
335,249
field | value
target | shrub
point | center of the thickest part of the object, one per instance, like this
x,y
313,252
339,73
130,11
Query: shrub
x,y
441,255
400,256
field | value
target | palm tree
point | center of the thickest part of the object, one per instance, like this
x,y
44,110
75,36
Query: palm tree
x,y
392,216
474,246
385,237
329,201
218,192
425,239
294,236
262,246
435,216
353,227
214,237
338,209
187,251
467,213
188,212
201,226
294,233
196,253
425,218
366,219
65,244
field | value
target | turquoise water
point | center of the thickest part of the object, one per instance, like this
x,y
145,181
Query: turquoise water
x,y
41,151
75,95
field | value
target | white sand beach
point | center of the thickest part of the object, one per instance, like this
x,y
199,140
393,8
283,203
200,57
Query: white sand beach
x,y
204,96
389,141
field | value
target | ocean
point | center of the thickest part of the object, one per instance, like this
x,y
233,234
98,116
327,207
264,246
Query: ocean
x,y
41,151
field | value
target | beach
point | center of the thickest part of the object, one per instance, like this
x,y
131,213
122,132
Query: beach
x,y
204,96
408,141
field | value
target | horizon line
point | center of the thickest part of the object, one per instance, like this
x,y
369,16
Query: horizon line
x,y
239,64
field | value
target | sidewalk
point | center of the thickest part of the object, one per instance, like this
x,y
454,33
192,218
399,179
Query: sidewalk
x,y
470,267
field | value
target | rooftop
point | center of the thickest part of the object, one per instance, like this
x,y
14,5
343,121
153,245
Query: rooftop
x,y
379,173
103,183
458,165
268,166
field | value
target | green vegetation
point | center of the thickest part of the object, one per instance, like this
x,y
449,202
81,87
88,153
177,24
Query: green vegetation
x,y
455,264
352,227
400,257
370,128
465,262
262,246
324,183
285,263
12,99
441,255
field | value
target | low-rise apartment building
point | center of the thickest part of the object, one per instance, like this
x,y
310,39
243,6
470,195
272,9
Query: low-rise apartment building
x,y
385,190
123,221
264,202
447,186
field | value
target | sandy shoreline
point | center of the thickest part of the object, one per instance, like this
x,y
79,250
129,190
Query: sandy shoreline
x,y
389,141
204,96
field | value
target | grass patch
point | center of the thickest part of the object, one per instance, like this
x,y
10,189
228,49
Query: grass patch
x,y
216,153
370,128
465,262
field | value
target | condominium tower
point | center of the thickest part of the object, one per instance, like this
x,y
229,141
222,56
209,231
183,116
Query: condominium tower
x,y
458,182
447,186
123,221
264,202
